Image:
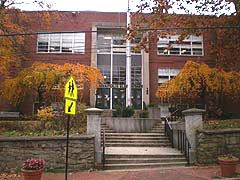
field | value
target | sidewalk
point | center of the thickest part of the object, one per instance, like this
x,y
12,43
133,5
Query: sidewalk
x,y
183,173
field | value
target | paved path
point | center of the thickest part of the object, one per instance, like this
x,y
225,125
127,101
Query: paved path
x,y
187,173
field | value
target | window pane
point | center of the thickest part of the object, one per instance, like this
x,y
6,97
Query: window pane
x,y
163,49
103,43
43,42
55,42
105,70
79,42
67,40
136,76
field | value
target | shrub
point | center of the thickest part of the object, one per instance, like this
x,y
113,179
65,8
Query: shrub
x,y
123,111
46,116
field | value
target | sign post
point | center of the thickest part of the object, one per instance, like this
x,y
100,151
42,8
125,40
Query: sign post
x,y
70,96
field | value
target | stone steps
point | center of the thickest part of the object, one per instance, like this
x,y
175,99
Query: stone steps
x,y
156,138
140,150
135,134
142,165
136,144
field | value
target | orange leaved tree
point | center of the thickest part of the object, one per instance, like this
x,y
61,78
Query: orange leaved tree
x,y
45,82
199,82
12,26
194,18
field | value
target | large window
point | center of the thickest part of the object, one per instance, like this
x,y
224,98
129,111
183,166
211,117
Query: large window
x,y
166,74
61,43
115,42
170,45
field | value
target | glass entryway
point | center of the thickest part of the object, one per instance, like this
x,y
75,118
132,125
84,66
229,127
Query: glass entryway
x,y
111,60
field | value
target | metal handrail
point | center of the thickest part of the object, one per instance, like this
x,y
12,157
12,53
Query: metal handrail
x,y
183,144
103,149
168,130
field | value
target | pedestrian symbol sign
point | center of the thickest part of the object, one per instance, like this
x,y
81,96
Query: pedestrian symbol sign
x,y
71,89
70,107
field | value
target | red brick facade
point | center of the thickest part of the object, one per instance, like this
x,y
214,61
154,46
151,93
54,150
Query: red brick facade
x,y
84,21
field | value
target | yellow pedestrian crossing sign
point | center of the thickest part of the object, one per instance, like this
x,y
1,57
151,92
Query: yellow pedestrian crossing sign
x,y
71,89
70,107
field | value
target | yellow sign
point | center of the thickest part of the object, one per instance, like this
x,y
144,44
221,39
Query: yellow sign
x,y
71,89
70,107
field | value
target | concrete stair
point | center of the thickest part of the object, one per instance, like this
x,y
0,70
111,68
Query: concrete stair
x,y
140,150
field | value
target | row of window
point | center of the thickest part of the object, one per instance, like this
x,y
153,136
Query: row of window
x,y
61,43
190,46
107,43
119,75
115,43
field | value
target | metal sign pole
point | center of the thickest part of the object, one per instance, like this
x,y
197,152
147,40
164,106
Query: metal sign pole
x,y
67,145
70,96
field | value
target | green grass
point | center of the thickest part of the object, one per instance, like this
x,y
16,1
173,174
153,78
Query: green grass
x,y
222,124
14,133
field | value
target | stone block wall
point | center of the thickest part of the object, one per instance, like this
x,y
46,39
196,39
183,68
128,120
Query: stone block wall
x,y
212,143
52,149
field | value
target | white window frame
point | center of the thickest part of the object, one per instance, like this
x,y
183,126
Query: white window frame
x,y
167,73
72,48
109,46
165,42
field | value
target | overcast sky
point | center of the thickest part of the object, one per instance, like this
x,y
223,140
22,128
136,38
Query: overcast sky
x,y
93,5
84,5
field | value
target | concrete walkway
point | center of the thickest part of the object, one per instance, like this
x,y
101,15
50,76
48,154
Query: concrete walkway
x,y
187,173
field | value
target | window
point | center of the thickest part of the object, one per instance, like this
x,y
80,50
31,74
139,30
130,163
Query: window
x,y
170,45
115,42
61,43
119,75
105,70
136,76
166,74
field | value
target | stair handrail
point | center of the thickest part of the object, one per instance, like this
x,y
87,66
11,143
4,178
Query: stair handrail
x,y
168,130
183,144
103,148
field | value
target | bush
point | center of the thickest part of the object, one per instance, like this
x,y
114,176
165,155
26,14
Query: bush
x,y
123,111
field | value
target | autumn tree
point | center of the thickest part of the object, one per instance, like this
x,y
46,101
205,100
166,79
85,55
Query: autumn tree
x,y
46,82
12,21
225,45
199,82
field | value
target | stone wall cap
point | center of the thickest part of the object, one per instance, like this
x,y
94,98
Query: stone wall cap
x,y
44,138
220,131
93,111
193,111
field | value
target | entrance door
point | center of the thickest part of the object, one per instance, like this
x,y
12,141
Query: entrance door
x,y
119,97
103,98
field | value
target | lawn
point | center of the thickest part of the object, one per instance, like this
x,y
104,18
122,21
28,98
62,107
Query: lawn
x,y
222,124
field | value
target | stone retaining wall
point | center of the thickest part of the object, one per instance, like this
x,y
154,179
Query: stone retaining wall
x,y
130,125
211,144
52,149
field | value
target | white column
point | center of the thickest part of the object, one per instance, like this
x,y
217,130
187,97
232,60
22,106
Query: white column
x,y
111,74
128,64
